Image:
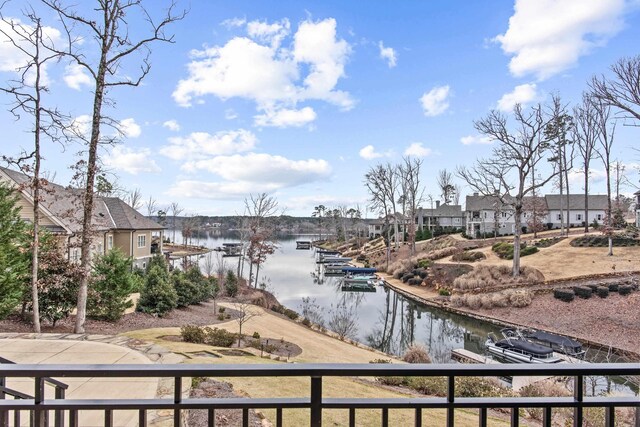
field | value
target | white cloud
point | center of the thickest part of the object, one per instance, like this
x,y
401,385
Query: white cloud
x,y
233,22
274,77
272,34
369,153
75,76
131,161
13,59
81,125
129,128
522,94
435,102
172,125
230,114
200,145
546,37
285,118
388,54
475,139
250,173
417,150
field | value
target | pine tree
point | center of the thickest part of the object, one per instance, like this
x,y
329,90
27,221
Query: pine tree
x,y
111,285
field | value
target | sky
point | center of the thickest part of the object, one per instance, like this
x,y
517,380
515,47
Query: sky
x,y
300,99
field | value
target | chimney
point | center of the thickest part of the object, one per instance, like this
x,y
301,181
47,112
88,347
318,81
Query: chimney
x,y
437,204
476,194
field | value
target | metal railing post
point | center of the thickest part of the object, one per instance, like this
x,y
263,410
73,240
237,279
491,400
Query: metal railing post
x,y
316,401
177,398
38,414
578,396
451,395
59,413
4,415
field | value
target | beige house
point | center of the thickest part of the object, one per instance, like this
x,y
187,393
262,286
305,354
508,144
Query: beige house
x,y
115,224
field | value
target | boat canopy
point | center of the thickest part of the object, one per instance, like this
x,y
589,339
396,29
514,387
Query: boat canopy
x,y
358,270
526,346
557,340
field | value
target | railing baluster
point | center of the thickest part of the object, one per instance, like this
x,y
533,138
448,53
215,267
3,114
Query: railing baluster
x,y
451,393
546,417
279,417
482,422
73,418
609,417
16,418
515,417
38,415
352,417
578,396
4,415
418,421
385,417
245,417
211,417
108,418
177,398
316,401
142,418
59,413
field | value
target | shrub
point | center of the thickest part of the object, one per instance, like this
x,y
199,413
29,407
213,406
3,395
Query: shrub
x,y
221,309
519,298
505,250
219,337
406,277
566,295
256,335
484,276
613,287
602,291
192,333
203,289
433,386
468,256
416,354
221,316
424,263
414,281
186,290
444,292
583,291
291,314
306,322
112,281
543,388
157,295
625,289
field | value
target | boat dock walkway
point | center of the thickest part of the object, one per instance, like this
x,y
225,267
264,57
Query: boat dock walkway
x,y
465,356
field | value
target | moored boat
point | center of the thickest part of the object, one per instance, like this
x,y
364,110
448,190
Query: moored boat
x,y
557,343
519,350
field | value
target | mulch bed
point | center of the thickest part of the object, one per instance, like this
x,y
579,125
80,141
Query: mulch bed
x,y
209,388
201,314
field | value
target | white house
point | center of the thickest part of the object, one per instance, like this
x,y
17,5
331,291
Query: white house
x,y
637,194
484,213
446,217
597,205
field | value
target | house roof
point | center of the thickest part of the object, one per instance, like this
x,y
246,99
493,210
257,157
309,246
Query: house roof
x,y
443,211
576,202
478,203
66,204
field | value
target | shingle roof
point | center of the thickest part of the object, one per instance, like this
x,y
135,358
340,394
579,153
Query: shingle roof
x,y
66,204
576,202
478,203
444,211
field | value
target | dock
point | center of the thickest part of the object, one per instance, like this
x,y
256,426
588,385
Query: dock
x,y
465,356
303,244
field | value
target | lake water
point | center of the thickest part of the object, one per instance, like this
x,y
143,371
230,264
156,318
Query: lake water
x,y
385,319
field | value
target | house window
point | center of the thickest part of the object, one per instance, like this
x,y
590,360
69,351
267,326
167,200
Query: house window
x,y
559,217
109,242
578,217
75,254
504,214
485,215
142,240
599,217
456,220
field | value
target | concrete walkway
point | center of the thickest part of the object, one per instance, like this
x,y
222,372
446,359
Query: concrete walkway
x,y
80,350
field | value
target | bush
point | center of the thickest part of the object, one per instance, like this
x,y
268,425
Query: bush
x,y
625,289
219,337
416,354
566,295
583,291
186,290
505,250
484,276
157,295
613,287
414,281
602,291
194,334
405,277
291,314
256,335
306,322
424,263
519,298
432,386
112,282
468,256
444,292
203,289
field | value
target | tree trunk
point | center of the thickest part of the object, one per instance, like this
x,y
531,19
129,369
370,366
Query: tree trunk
x,y
609,222
85,247
516,239
257,275
560,177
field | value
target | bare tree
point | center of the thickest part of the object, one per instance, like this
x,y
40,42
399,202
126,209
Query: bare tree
x,y
259,208
109,31
446,185
622,91
381,189
175,210
245,312
343,320
585,135
134,198
413,193
605,136
519,151
152,206
457,191
27,90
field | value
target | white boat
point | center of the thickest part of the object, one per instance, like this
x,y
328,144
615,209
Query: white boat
x,y
520,350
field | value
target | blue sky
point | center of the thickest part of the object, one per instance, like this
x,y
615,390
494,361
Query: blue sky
x,y
301,98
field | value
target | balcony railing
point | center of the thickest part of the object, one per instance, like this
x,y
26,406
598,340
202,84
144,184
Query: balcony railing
x,y
38,407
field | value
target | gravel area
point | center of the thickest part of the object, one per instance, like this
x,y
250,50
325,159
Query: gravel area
x,y
612,321
223,417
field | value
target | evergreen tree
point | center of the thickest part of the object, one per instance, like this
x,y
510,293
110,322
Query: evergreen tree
x,y
186,291
231,284
111,285
157,295
14,254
